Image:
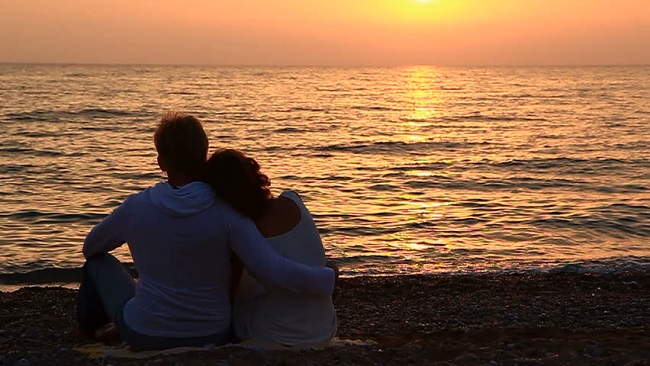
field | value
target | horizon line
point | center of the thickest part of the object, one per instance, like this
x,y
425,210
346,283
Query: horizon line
x,y
48,63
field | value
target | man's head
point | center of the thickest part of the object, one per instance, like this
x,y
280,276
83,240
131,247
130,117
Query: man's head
x,y
182,145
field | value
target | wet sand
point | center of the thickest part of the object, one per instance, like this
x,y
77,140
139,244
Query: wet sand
x,y
506,319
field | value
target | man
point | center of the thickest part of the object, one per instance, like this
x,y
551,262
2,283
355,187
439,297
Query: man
x,y
180,237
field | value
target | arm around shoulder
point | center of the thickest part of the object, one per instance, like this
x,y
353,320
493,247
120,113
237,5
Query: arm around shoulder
x,y
272,269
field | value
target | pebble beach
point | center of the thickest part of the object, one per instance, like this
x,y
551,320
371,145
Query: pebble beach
x,y
468,319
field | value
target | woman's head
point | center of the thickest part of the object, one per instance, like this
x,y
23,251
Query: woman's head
x,y
237,180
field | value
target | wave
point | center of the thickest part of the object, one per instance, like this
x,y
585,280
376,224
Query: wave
x,y
506,223
606,266
572,162
475,118
560,166
50,275
182,93
93,112
384,187
375,108
289,130
636,145
304,109
355,265
76,75
518,184
397,146
36,152
35,116
48,115
35,216
629,224
37,134
140,177
15,168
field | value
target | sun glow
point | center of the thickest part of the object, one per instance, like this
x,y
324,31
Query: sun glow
x,y
322,32
417,12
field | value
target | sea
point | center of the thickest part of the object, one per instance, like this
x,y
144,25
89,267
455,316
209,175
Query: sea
x,y
414,169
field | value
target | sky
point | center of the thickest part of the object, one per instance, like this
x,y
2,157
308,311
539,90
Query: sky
x,y
326,32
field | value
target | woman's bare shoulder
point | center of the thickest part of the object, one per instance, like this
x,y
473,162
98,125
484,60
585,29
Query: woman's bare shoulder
x,y
282,216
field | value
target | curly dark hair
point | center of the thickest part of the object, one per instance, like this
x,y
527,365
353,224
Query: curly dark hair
x,y
237,179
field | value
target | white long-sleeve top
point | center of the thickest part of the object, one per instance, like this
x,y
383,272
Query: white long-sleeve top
x,y
179,241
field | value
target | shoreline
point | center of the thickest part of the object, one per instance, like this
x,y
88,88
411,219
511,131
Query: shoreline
x,y
476,319
69,277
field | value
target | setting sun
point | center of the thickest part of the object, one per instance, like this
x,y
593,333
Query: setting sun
x,y
298,32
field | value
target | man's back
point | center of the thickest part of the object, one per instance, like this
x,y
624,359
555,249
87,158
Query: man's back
x,y
178,239
181,253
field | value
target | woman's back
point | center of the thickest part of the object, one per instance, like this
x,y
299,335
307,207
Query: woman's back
x,y
277,316
290,229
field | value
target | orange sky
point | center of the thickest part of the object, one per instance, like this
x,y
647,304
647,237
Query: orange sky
x,y
327,32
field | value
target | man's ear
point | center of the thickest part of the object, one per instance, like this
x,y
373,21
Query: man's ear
x,y
161,164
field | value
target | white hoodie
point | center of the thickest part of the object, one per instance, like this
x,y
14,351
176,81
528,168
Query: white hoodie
x,y
180,240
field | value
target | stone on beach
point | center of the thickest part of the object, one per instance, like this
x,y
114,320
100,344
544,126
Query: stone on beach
x,y
528,319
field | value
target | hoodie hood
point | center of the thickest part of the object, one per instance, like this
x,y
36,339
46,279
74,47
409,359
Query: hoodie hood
x,y
187,200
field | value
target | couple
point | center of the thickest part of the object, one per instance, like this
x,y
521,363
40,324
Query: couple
x,y
192,238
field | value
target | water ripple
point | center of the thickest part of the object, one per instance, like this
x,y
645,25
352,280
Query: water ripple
x,y
406,170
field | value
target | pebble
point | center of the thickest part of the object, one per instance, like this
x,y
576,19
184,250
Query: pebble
x,y
467,358
595,350
461,303
22,362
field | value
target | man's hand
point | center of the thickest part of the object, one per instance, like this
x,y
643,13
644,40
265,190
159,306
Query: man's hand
x,y
335,268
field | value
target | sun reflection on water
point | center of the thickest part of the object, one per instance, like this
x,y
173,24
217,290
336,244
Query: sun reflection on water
x,y
424,99
414,167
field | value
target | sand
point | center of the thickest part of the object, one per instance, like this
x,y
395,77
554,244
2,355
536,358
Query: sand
x,y
505,319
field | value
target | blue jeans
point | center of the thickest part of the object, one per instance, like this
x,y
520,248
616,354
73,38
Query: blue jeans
x,y
105,288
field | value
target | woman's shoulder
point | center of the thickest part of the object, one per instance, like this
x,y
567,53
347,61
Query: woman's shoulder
x,y
292,195
288,205
282,216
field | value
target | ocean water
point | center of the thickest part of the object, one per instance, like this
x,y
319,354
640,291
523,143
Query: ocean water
x,y
405,169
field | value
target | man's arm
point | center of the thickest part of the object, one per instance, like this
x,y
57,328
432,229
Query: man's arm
x,y
272,269
236,270
108,234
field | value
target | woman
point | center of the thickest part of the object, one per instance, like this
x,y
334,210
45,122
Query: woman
x,y
271,314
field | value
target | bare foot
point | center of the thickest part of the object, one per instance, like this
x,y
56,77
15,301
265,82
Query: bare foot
x,y
108,333
82,333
